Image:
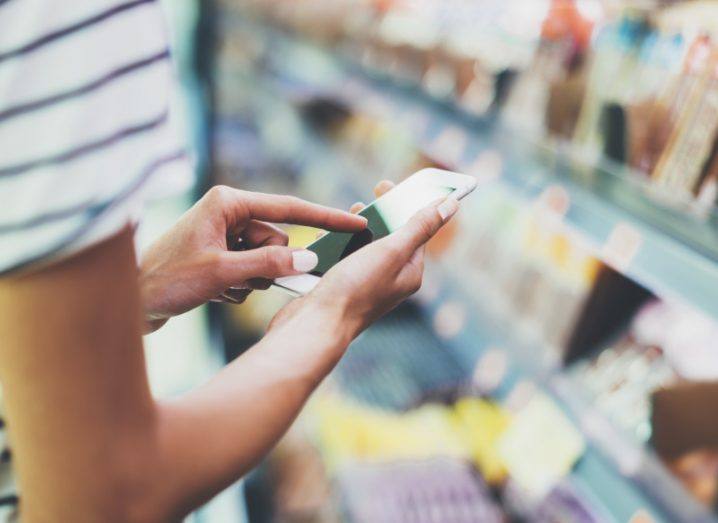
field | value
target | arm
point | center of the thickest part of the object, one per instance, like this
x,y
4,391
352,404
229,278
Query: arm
x,y
225,427
74,384
90,442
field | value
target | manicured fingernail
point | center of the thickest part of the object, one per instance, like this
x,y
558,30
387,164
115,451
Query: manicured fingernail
x,y
304,261
448,208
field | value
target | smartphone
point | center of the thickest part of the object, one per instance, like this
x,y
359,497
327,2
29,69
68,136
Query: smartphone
x,y
385,215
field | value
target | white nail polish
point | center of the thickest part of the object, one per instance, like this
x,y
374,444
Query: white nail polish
x,y
304,261
448,208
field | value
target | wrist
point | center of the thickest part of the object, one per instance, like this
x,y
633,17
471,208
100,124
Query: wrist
x,y
154,313
338,314
313,334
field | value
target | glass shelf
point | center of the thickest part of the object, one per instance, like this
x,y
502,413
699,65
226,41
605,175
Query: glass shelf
x,y
602,197
677,253
624,475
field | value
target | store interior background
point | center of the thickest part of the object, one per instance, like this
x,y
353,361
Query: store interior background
x,y
560,363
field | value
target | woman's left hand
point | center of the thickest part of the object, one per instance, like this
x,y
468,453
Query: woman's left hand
x,y
225,246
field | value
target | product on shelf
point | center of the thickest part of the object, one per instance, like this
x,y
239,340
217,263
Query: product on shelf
x,y
408,491
470,429
620,382
613,64
524,264
433,81
685,436
546,94
301,489
649,114
691,142
708,190
609,81
564,504
622,377
658,383
565,95
540,446
697,470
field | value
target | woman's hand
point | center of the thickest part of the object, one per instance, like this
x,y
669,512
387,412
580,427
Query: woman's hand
x,y
225,246
373,280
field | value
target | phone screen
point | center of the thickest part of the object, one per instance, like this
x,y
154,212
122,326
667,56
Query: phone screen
x,y
384,216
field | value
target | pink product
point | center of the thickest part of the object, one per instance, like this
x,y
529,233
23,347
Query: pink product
x,y
443,490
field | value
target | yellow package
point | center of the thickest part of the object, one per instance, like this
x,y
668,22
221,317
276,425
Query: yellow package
x,y
349,431
482,424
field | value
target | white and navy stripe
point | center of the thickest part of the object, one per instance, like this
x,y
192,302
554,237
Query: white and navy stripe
x,y
84,118
85,124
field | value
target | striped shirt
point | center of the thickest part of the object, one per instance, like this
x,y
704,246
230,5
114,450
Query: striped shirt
x,y
85,132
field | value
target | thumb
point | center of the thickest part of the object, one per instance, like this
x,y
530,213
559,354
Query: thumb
x,y
423,226
269,262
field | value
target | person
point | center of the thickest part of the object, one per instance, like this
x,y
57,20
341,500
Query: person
x,y
84,134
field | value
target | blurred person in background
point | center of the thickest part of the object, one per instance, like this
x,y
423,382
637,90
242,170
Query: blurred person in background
x,y
84,133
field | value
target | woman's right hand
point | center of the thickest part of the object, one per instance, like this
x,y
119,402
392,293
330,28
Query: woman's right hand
x,y
378,277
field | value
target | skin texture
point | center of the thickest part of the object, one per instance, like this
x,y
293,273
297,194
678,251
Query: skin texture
x,y
90,442
224,247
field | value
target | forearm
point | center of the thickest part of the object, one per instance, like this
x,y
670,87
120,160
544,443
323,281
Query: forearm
x,y
74,384
89,441
217,433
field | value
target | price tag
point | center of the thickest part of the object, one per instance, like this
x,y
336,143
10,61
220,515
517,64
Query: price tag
x,y
622,246
642,516
488,163
378,104
490,370
550,209
628,457
520,396
450,144
430,289
352,88
418,121
556,200
449,320
540,446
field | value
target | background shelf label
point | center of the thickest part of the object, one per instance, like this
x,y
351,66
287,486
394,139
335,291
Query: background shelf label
x,y
622,246
540,446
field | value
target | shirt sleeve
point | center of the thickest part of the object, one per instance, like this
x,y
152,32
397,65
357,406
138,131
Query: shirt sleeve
x,y
85,124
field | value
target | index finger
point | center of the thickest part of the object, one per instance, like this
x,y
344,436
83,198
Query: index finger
x,y
243,206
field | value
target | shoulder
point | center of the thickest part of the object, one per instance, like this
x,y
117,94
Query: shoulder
x,y
85,121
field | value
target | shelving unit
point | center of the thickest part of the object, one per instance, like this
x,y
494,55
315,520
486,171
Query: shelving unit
x,y
623,475
602,197
612,468
608,206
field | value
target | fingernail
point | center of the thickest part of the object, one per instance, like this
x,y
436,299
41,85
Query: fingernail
x,y
448,208
304,261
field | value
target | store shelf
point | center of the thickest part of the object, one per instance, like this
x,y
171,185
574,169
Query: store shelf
x,y
616,472
619,478
622,475
606,203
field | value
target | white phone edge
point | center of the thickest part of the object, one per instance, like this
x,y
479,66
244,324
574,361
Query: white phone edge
x,y
304,283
